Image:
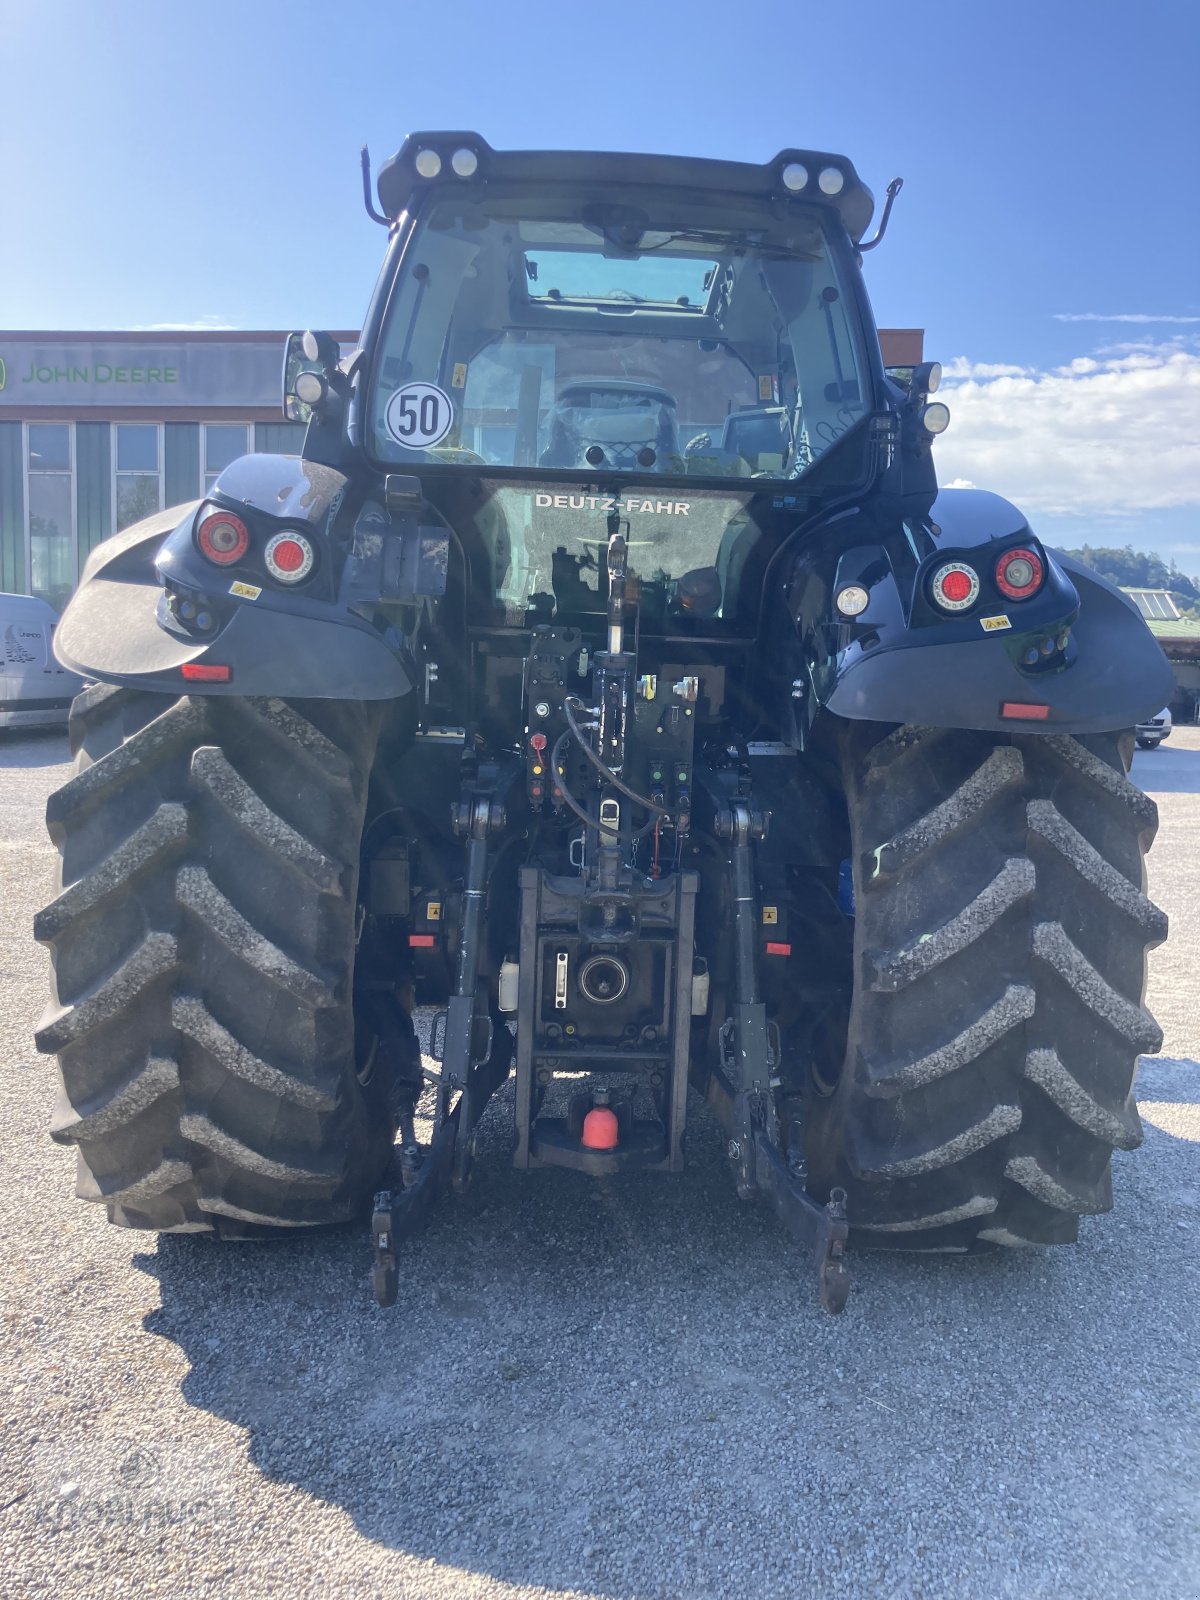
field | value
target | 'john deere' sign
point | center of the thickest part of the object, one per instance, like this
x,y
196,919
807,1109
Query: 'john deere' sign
x,y
101,372
119,373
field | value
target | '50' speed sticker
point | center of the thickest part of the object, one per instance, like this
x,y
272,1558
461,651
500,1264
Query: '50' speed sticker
x,y
419,415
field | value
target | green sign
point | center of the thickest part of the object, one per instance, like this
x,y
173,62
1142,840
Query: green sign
x,y
101,372
140,372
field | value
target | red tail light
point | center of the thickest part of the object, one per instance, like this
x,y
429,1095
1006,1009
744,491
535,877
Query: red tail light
x,y
223,538
289,557
955,586
1020,573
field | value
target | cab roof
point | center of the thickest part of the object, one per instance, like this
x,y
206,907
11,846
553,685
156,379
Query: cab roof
x,y
401,181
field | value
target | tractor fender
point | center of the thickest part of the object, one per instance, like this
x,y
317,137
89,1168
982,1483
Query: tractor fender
x,y
116,627
902,659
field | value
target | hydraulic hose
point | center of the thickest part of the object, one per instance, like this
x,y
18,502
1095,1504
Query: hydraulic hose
x,y
560,783
606,772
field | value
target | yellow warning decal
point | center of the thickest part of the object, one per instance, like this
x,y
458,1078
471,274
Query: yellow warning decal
x,y
994,624
245,591
458,379
433,911
770,915
766,388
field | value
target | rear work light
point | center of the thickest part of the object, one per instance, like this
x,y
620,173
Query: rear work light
x,y
955,586
1019,573
223,538
289,557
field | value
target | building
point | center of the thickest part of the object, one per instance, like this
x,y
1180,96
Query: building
x,y
1180,640
100,429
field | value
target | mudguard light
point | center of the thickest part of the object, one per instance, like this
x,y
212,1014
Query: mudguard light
x,y
1020,573
289,557
223,538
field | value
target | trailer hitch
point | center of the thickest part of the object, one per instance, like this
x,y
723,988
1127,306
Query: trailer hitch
x,y
426,1172
823,1229
398,1214
741,1084
763,1171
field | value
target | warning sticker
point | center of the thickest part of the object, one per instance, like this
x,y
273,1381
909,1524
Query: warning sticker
x,y
994,624
419,415
458,378
245,591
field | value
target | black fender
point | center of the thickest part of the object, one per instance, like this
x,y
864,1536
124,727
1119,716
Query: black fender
x,y
119,628
1098,666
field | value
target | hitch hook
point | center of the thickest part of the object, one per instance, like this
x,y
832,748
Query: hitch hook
x,y
384,1277
833,1231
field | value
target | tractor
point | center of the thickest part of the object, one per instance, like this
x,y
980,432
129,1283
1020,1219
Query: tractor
x,y
609,688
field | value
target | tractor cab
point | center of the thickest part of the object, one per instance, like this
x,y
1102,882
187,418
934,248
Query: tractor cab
x,y
558,339
615,314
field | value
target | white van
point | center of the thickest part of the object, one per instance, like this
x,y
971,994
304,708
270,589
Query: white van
x,y
35,691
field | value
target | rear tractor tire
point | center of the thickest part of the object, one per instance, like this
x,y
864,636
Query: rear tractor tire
x,y
1001,932
203,948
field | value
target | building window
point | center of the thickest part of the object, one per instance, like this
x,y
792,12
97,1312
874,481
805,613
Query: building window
x,y
223,443
139,476
51,512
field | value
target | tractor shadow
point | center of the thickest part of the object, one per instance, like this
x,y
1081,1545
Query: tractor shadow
x,y
630,1390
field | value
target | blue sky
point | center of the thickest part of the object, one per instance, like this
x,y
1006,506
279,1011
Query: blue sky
x,y
198,165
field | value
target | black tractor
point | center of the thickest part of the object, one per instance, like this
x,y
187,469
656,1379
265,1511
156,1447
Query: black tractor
x,y
609,676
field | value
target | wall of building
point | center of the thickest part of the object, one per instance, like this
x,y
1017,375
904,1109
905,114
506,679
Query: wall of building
x,y
66,485
100,429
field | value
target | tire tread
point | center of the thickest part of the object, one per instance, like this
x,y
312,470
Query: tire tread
x,y
1001,934
207,1071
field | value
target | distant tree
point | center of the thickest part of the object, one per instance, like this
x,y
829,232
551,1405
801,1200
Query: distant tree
x,y
1139,569
1180,583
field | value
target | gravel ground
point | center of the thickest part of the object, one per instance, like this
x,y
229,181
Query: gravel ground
x,y
622,1391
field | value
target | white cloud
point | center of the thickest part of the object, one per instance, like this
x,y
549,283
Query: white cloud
x,y
201,325
1150,346
1117,316
960,367
1103,435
